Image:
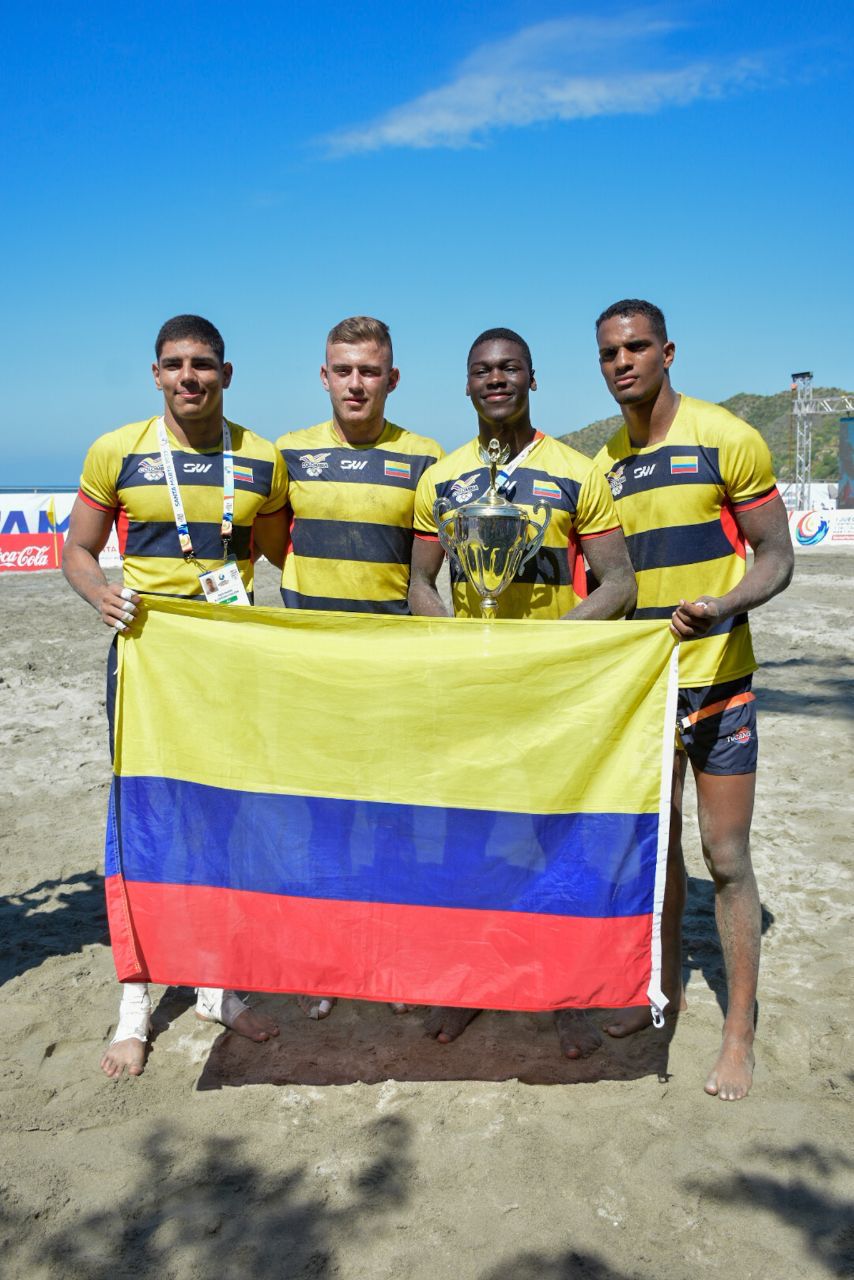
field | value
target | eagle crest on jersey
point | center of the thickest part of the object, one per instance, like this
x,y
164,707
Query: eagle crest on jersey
x,y
616,479
314,463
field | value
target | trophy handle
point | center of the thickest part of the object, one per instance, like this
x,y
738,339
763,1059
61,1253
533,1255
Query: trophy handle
x,y
536,542
442,509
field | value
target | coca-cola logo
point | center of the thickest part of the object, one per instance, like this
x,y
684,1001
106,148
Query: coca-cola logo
x,y
31,557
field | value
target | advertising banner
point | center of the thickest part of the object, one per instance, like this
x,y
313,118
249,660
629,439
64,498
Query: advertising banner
x,y
822,530
32,532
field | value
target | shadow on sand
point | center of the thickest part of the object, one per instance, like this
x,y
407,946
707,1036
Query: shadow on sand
x,y
53,918
223,1214
701,948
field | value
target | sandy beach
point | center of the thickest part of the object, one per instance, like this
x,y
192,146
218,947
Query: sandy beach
x,y
358,1148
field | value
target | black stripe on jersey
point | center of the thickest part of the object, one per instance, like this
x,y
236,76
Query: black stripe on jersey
x,y
665,611
160,538
642,472
352,540
549,567
193,469
679,544
355,466
296,600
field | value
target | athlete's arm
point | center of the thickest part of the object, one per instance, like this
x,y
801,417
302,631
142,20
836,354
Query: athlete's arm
x,y
270,536
88,531
766,528
617,591
427,557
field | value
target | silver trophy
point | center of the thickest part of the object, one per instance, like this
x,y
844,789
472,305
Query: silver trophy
x,y
490,539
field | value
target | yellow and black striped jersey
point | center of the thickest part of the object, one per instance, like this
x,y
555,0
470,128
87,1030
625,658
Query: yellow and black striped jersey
x,y
554,580
678,503
123,474
351,524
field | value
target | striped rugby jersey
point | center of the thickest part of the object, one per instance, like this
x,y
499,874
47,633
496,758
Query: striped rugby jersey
x,y
123,473
554,474
678,502
351,527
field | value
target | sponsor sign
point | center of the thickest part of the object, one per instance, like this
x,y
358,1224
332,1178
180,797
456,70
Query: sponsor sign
x,y
822,530
32,532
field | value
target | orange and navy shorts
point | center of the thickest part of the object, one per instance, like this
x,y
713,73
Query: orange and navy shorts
x,y
716,726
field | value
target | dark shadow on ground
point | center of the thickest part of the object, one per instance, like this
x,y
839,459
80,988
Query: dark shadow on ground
x,y
365,1041
701,948
832,696
53,918
796,1190
218,1213
565,1266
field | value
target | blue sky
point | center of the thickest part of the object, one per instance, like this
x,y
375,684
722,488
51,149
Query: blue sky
x,y
447,168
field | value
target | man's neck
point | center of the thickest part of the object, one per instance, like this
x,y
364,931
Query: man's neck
x,y
205,433
649,423
513,437
358,432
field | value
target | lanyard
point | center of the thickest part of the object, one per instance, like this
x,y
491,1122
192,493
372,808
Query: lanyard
x,y
506,472
175,491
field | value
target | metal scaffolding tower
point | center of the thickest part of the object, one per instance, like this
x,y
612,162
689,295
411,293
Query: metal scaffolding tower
x,y
805,408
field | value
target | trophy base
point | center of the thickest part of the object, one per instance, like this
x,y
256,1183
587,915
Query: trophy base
x,y
489,607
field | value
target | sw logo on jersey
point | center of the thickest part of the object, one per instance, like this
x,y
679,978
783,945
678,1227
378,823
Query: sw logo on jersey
x,y
244,473
640,472
314,463
353,464
684,466
616,478
547,489
151,468
398,470
199,468
464,489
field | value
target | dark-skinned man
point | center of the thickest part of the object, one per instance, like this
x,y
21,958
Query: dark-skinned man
x,y
693,484
584,524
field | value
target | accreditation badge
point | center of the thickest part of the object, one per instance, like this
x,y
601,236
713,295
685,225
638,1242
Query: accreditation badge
x,y
224,585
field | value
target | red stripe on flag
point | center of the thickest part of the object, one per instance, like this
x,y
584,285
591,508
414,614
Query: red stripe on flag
x,y
201,936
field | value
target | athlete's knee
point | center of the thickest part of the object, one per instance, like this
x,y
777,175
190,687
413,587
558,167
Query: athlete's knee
x,y
728,860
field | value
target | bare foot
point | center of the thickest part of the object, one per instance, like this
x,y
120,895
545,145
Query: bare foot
x,y
732,1075
226,1008
625,1022
578,1036
316,1007
124,1055
445,1024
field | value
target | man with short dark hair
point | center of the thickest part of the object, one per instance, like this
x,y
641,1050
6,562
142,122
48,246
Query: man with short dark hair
x,y
351,489
539,469
192,496
693,486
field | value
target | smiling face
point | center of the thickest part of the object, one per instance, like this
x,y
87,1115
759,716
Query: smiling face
x,y
192,380
359,377
633,358
499,383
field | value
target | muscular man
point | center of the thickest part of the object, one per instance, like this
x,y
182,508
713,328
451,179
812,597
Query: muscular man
x,y
167,549
553,584
351,489
693,484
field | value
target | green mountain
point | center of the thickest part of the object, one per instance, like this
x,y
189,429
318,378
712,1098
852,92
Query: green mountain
x,y
772,418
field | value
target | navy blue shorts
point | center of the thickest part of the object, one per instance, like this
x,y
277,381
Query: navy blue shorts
x,y
716,726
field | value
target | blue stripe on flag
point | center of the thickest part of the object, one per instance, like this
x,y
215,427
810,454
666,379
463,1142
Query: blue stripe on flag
x,y
594,865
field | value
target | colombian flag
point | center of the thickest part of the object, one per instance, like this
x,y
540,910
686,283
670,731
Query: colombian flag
x,y
428,810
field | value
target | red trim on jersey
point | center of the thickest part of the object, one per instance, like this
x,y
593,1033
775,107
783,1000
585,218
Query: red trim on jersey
x,y
97,506
426,537
577,567
757,502
122,528
603,533
732,533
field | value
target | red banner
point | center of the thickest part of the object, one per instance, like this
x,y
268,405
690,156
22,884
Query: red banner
x,y
28,552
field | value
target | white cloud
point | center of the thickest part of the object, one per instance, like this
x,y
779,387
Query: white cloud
x,y
568,69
